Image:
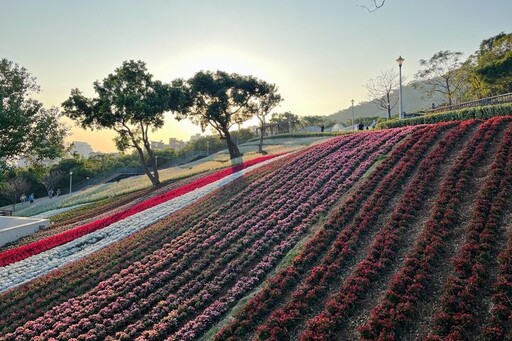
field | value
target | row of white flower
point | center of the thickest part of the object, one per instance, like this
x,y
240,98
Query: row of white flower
x,y
38,265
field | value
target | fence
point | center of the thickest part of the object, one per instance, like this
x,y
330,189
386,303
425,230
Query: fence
x,y
505,98
125,172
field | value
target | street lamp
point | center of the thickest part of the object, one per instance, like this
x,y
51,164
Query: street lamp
x,y
400,61
207,148
156,161
353,124
70,181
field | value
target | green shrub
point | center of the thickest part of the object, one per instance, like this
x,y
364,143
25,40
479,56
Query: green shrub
x,y
483,112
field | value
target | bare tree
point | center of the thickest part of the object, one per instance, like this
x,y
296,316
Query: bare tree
x,y
380,88
374,5
51,179
13,189
268,100
441,73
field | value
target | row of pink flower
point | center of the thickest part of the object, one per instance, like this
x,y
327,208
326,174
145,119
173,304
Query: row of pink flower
x,y
120,299
33,299
181,253
196,302
25,251
407,286
473,263
353,168
281,284
323,275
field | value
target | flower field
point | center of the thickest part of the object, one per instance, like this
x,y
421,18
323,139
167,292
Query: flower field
x,y
396,234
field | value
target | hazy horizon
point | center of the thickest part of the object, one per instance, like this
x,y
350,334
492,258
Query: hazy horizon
x,y
320,55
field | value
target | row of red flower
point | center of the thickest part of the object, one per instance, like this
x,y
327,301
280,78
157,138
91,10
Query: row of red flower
x,y
405,287
185,250
500,324
474,261
25,251
103,208
30,300
33,299
280,285
381,252
427,172
338,183
183,297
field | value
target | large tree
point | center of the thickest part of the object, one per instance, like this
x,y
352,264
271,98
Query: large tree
x,y
380,88
494,63
26,128
13,189
441,74
131,103
269,99
221,100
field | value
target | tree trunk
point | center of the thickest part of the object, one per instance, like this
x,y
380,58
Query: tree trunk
x,y
154,180
234,152
449,92
260,146
388,105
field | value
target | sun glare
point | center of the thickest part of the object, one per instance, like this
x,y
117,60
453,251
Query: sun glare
x,y
212,58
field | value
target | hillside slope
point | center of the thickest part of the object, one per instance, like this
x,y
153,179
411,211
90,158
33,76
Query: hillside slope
x,y
397,232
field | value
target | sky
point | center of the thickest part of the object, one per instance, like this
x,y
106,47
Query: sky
x,y
319,53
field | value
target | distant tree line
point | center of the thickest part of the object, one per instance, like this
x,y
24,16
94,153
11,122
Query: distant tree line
x,y
132,103
485,73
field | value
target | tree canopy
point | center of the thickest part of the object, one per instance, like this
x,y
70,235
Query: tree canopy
x,y
380,89
26,128
220,100
494,62
131,103
441,73
268,99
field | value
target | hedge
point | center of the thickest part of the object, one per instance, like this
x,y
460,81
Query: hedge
x,y
482,112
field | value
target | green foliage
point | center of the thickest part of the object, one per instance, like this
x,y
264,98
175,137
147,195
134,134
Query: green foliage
x,y
131,103
316,121
441,74
494,63
220,100
26,128
483,112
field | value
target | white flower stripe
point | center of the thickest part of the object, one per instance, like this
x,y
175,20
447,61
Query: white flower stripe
x,y
38,265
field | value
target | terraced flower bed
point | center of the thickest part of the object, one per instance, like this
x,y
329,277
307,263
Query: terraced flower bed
x,y
390,235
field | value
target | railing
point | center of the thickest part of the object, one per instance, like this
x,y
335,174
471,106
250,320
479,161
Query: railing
x,y
132,171
505,98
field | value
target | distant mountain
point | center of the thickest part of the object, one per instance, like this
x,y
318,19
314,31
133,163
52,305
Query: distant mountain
x,y
414,100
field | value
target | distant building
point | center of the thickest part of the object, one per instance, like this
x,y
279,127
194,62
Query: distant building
x,y
337,127
176,144
195,137
158,145
83,149
27,162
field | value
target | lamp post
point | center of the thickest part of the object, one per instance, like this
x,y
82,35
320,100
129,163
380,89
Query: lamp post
x,y
400,61
353,124
70,181
156,161
207,148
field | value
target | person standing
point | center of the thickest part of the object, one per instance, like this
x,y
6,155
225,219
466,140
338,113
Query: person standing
x,y
31,198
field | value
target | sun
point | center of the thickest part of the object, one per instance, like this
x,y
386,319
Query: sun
x,y
213,58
